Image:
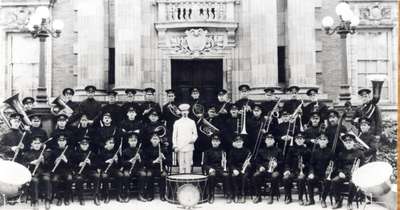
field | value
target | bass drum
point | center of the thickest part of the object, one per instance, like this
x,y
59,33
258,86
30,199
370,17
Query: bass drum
x,y
13,175
186,189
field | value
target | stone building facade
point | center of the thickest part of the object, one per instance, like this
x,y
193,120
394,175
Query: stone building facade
x,y
116,44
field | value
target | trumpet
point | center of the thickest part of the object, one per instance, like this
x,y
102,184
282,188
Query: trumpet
x,y
84,163
174,110
246,163
329,170
272,164
207,128
223,160
58,160
65,109
243,120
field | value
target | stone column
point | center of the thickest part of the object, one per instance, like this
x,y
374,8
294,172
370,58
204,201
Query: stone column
x,y
301,42
91,44
263,43
128,62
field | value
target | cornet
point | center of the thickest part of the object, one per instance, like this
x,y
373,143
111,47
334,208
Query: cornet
x,y
272,165
207,128
174,110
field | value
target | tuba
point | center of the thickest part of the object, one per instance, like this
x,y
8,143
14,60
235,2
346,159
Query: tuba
x,y
62,107
207,128
14,103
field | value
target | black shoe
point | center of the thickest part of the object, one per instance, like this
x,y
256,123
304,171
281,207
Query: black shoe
x,y
271,200
81,202
310,202
323,204
107,199
162,198
96,200
66,202
337,205
242,199
59,202
229,200
235,199
47,205
150,198
257,199
211,199
141,198
301,202
119,199
349,206
288,200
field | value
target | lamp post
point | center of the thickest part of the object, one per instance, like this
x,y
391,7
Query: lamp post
x,y
41,26
347,25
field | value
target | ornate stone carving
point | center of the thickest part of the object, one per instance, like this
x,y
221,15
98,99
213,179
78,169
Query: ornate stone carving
x,y
375,14
196,42
16,18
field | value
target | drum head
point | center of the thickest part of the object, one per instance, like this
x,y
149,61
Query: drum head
x,y
372,175
188,195
14,173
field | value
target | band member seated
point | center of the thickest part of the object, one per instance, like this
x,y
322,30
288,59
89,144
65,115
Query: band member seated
x,y
107,130
84,163
149,104
153,159
244,102
60,164
132,124
233,127
183,138
131,93
347,162
367,137
369,109
133,166
110,166
113,108
90,106
239,168
61,128
314,106
330,131
254,126
28,105
36,160
215,167
314,130
11,141
36,127
296,166
153,121
267,166
319,174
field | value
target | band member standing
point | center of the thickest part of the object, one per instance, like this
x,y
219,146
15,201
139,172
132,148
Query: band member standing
x,y
239,167
84,162
291,105
83,129
367,137
68,93
10,141
254,127
318,174
233,127
369,109
314,130
271,109
37,158
296,166
90,106
60,164
314,106
268,164
132,164
153,159
244,101
223,105
348,160
215,167
183,138
170,112
286,130
110,165
28,105
113,108
195,99
36,127
131,93
61,129
149,104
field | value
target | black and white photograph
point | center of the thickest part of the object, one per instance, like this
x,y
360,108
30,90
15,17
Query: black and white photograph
x,y
199,104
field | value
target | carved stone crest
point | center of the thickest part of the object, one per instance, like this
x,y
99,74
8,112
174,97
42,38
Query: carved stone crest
x,y
376,14
16,18
197,42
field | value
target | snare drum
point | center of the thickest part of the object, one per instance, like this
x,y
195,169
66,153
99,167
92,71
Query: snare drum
x,y
190,186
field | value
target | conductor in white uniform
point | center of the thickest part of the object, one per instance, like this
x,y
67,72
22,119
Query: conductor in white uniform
x,y
183,137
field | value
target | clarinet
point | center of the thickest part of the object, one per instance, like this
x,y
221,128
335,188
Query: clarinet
x,y
38,163
246,163
58,160
18,149
84,163
160,158
134,162
223,160
114,157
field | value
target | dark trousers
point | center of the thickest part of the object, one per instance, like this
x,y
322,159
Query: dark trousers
x,y
288,185
338,188
62,182
321,183
112,178
238,183
152,173
87,176
42,180
259,178
140,174
212,181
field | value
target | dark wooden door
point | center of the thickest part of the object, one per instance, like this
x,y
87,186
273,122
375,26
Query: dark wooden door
x,y
206,74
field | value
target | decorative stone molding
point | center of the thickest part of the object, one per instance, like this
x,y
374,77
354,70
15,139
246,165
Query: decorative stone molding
x,y
196,42
375,14
16,18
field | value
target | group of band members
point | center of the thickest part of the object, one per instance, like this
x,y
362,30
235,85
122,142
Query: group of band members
x,y
107,147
